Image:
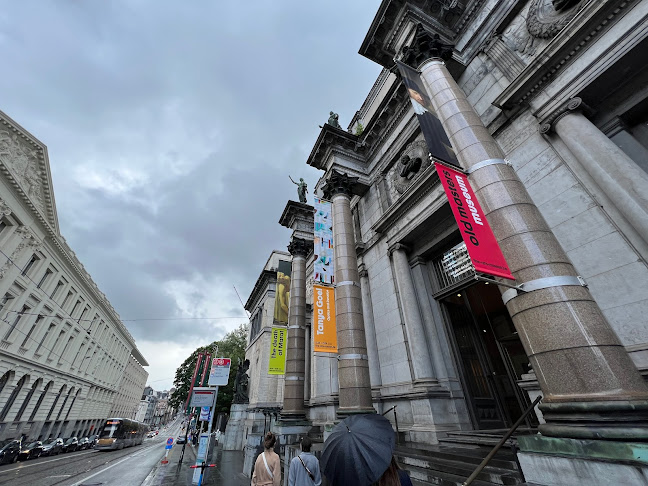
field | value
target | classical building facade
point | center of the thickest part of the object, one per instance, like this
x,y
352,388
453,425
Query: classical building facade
x,y
545,104
66,360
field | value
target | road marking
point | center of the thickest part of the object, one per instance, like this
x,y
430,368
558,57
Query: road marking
x,y
42,462
130,456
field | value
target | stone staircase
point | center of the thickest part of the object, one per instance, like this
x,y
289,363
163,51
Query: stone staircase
x,y
451,461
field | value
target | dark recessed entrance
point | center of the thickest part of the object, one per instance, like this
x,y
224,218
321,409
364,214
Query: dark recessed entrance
x,y
490,355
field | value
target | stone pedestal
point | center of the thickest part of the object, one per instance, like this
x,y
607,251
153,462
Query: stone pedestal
x,y
233,439
549,461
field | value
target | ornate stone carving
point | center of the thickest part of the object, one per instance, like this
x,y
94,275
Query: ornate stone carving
x,y
425,46
339,183
412,163
549,122
24,164
5,210
28,240
300,247
548,17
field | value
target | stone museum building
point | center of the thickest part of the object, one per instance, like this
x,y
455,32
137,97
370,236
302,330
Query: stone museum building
x,y
545,103
67,361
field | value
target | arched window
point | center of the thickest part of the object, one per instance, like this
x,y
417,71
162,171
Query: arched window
x,y
40,400
4,380
67,397
27,399
12,397
72,404
58,395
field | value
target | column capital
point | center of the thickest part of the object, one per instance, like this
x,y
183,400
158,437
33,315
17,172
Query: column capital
x,y
362,271
339,183
548,123
398,247
300,247
424,47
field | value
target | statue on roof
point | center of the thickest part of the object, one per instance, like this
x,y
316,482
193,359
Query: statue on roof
x,y
333,120
302,189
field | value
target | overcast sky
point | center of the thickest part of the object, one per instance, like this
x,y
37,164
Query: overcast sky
x,y
172,128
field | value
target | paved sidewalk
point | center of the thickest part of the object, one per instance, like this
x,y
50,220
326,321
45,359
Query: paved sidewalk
x,y
227,472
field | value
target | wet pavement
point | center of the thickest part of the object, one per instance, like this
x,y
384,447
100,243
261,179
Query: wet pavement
x,y
227,472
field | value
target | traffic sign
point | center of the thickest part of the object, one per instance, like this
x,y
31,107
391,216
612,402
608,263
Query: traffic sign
x,y
169,443
219,373
202,397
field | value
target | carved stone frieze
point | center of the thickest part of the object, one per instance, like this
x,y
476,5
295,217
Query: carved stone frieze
x,y
548,17
27,240
412,162
24,164
5,210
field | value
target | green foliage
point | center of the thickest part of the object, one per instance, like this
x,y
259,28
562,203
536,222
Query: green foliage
x,y
231,346
359,129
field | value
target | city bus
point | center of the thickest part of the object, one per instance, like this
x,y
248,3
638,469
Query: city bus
x,y
118,433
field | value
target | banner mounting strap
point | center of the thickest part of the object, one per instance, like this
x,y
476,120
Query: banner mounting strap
x,y
544,283
347,282
486,163
353,356
294,378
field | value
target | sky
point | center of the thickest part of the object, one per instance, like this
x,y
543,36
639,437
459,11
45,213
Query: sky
x,y
172,128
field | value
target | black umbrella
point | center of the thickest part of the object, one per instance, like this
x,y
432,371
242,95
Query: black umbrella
x,y
358,451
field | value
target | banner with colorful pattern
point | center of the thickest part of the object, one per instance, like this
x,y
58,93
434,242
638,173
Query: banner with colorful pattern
x,y
323,269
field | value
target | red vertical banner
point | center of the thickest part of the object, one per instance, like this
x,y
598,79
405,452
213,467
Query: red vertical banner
x,y
484,251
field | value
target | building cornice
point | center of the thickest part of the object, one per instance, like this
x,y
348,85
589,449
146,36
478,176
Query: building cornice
x,y
349,144
265,278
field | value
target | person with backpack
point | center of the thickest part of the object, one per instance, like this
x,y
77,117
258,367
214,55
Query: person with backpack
x,y
304,468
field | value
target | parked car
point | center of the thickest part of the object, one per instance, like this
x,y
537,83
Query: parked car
x,y
83,444
9,451
70,445
181,440
93,440
52,447
150,435
31,450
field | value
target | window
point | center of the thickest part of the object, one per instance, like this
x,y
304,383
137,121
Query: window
x,y
67,298
12,397
49,356
83,313
3,225
7,297
40,400
67,345
83,344
55,402
43,280
15,322
29,265
49,330
38,320
27,400
78,303
57,288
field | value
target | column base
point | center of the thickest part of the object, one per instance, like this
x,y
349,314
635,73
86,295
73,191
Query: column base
x,y
343,413
610,420
551,461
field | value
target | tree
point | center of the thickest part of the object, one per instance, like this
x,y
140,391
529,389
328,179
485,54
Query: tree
x,y
231,346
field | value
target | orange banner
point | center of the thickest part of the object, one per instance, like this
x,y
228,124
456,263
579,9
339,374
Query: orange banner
x,y
324,326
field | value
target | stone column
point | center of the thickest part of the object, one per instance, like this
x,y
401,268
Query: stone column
x,y
370,329
421,362
293,400
591,387
622,180
299,218
429,324
353,367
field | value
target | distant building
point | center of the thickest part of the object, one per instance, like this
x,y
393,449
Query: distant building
x,y
67,361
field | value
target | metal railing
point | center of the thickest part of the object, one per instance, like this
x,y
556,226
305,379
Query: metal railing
x,y
395,421
506,437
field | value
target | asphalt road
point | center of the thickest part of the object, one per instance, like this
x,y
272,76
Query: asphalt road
x,y
128,467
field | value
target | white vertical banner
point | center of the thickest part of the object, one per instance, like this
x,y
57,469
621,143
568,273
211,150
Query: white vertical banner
x,y
323,269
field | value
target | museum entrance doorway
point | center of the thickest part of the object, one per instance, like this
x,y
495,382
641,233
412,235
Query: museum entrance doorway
x,y
489,354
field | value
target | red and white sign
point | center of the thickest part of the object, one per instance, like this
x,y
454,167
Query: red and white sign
x,y
219,373
484,251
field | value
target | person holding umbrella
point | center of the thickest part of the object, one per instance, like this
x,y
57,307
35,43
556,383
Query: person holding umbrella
x,y
359,452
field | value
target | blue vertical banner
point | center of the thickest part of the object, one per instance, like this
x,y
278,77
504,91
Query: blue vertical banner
x,y
323,269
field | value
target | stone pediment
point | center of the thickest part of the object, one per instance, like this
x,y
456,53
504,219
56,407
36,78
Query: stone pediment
x,y
23,160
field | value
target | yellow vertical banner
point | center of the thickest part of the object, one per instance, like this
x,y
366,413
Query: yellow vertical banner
x,y
277,364
324,325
